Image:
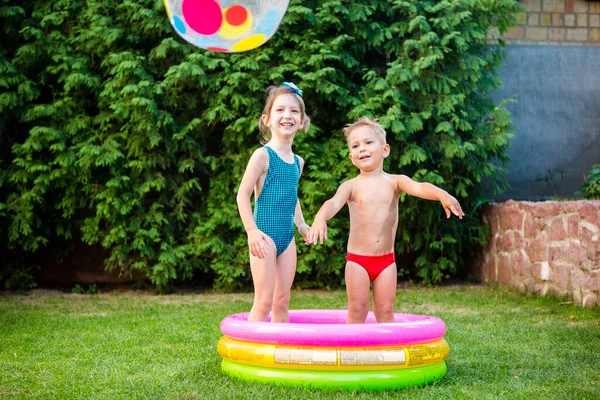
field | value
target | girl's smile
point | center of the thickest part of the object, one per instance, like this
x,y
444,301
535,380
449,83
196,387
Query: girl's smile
x,y
285,117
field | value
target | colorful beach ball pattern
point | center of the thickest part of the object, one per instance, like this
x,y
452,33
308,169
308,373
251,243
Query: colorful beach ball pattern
x,y
226,26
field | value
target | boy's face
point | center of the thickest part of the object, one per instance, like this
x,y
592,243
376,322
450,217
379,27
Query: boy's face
x,y
367,149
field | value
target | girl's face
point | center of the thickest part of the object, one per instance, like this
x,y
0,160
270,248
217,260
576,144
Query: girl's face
x,y
285,118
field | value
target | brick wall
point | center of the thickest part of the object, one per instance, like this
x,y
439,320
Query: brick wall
x,y
550,248
557,22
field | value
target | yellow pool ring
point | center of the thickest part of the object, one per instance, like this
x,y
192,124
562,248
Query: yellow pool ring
x,y
333,358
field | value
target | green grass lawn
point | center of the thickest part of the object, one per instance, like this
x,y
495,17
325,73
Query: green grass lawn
x,y
132,345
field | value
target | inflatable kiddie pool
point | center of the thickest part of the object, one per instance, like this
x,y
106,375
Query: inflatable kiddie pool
x,y
317,349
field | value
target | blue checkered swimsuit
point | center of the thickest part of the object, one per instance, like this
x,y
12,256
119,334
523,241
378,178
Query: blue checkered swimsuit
x,y
276,204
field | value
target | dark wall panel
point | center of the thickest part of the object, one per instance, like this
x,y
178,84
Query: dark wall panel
x,y
557,118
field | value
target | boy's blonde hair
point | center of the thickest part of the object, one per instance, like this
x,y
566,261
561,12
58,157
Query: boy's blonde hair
x,y
274,92
365,121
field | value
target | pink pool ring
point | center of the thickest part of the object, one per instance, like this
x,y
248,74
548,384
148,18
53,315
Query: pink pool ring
x,y
329,328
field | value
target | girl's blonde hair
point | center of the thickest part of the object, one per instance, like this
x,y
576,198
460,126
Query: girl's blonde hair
x,y
365,121
274,92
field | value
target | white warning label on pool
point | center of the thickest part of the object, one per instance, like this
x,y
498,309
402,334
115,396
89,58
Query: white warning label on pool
x,y
305,356
372,357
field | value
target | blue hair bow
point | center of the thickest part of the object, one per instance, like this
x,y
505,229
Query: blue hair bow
x,y
293,87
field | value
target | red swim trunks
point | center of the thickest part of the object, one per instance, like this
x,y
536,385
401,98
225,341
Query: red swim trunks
x,y
372,264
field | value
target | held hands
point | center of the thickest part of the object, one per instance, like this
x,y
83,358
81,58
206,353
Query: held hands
x,y
451,206
318,232
258,243
304,230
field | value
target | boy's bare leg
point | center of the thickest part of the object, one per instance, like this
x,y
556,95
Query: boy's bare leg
x,y
358,285
284,278
263,277
384,294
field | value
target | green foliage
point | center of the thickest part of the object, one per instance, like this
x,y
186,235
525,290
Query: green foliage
x,y
22,278
115,131
78,289
591,187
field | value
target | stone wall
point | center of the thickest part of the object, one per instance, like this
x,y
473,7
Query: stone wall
x,y
550,248
557,22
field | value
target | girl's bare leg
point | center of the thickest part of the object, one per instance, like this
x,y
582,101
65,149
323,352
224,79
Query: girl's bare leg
x,y
263,277
357,288
284,278
384,294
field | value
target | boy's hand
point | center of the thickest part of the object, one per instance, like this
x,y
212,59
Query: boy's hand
x,y
258,243
451,206
318,232
304,230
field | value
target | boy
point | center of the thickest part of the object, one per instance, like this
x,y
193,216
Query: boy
x,y
372,199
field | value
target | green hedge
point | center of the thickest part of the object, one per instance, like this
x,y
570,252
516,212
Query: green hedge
x,y
591,188
115,131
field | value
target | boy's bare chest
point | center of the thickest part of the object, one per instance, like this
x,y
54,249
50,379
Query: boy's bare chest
x,y
377,194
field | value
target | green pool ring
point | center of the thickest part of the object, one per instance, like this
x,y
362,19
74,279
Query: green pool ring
x,y
350,380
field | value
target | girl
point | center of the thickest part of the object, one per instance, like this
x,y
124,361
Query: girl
x,y
272,174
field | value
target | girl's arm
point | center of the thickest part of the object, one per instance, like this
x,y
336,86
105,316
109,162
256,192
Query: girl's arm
x,y
257,240
318,231
303,228
428,191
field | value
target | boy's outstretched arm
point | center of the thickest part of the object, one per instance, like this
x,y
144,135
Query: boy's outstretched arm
x,y
428,191
318,231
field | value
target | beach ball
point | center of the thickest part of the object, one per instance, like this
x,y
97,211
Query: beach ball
x,y
226,26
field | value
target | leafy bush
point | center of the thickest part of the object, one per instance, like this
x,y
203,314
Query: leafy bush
x,y
591,187
115,131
